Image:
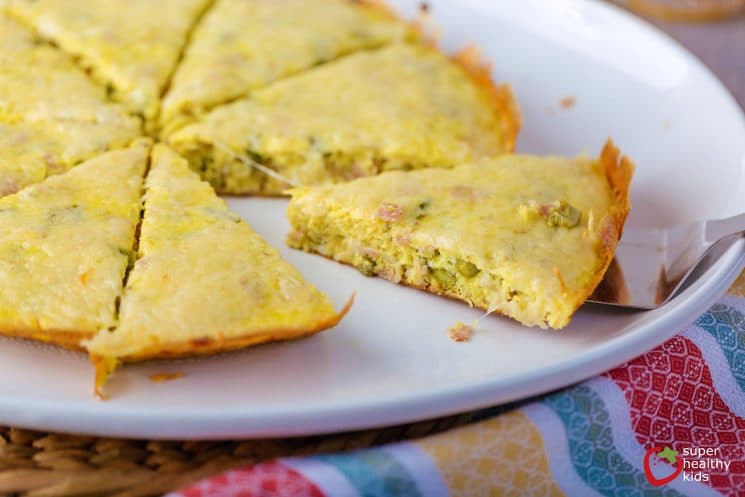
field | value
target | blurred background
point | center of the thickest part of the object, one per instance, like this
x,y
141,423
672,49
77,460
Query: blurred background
x,y
714,30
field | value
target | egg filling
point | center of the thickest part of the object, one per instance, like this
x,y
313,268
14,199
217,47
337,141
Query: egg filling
x,y
404,106
243,45
528,237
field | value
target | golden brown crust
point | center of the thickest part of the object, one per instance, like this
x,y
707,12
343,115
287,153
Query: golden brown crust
x,y
503,100
477,66
69,339
618,170
209,345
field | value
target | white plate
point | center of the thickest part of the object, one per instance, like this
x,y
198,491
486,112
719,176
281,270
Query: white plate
x,y
390,360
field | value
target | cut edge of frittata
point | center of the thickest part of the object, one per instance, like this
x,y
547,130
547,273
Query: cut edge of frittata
x,y
185,228
40,149
314,231
90,176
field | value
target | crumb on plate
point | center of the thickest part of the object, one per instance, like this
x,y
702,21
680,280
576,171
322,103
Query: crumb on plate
x,y
460,332
568,102
163,377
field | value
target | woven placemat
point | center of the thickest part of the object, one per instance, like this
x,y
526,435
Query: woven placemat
x,y
39,464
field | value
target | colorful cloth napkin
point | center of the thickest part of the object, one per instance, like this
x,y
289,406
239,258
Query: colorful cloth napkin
x,y
669,423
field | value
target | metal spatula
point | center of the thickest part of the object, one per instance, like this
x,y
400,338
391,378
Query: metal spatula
x,y
652,265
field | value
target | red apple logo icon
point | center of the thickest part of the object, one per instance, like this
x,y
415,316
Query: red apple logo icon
x,y
670,456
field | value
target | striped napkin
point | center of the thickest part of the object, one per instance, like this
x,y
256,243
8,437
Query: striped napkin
x,y
668,423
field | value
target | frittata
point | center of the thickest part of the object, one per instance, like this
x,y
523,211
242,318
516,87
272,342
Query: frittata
x,y
39,82
204,281
65,245
242,45
131,46
528,237
404,106
31,151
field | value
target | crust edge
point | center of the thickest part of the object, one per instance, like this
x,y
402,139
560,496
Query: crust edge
x,y
68,339
105,365
618,170
502,98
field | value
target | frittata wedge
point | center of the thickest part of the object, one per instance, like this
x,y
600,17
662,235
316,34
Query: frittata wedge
x,y
204,281
132,46
528,237
405,106
39,82
65,245
31,151
242,45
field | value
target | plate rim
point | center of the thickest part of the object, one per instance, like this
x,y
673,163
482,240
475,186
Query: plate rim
x,y
143,422
156,423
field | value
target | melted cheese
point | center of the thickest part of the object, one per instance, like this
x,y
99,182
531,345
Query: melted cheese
x,y
65,245
131,45
204,281
31,151
481,232
242,45
400,107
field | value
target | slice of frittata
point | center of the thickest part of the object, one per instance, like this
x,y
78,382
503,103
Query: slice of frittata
x,y
405,106
242,45
132,46
52,116
528,237
65,245
204,281
39,82
31,151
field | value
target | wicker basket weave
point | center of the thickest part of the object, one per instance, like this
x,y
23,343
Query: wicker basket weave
x,y
38,464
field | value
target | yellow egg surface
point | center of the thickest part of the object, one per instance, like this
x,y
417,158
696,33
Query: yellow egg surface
x,y
257,95
404,106
204,281
65,245
52,116
529,237
39,82
241,45
131,46
31,151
